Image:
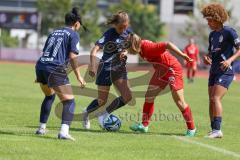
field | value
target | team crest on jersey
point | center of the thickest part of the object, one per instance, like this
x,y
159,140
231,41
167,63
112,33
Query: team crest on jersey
x,y
117,40
101,40
221,38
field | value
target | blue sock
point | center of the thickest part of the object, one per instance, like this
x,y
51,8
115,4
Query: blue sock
x,y
46,108
68,111
116,104
93,106
217,123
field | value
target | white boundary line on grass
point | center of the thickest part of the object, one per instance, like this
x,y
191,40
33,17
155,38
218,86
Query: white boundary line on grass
x,y
221,150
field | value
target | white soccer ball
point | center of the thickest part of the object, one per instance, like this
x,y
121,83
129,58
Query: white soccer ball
x,y
112,123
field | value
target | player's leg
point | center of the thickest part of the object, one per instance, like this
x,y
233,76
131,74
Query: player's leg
x,y
211,106
216,96
122,86
65,94
103,92
45,107
148,108
194,70
178,97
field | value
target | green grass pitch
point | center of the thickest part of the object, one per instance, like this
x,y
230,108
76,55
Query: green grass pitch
x,y
20,100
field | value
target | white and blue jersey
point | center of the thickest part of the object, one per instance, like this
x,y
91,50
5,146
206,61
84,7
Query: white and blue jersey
x,y
221,48
51,66
57,48
111,67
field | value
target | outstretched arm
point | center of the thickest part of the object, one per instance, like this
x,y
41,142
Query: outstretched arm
x,y
172,47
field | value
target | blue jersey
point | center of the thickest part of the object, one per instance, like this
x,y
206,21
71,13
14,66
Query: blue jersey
x,y
57,48
221,47
112,35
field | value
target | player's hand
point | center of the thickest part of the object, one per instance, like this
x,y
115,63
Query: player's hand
x,y
207,60
123,56
187,58
82,82
92,70
225,65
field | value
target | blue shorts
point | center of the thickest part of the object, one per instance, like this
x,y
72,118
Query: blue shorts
x,y
107,74
52,79
220,79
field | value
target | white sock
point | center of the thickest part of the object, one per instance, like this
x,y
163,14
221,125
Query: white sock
x,y
42,125
64,129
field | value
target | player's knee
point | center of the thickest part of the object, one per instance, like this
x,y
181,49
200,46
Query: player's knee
x,y
214,99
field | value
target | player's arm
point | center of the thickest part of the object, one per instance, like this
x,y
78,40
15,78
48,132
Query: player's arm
x,y
235,40
226,64
93,61
75,67
172,47
207,58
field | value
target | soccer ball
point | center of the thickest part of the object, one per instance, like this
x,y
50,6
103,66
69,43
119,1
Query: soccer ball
x,y
112,123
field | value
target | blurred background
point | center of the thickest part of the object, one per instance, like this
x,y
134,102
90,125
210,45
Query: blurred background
x,y
25,24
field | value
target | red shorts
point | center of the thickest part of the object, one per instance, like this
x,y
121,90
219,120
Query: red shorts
x,y
191,64
173,77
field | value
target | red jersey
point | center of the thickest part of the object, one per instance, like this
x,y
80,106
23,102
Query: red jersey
x,y
192,51
157,53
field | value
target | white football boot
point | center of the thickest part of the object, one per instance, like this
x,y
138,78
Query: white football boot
x,y
215,134
86,122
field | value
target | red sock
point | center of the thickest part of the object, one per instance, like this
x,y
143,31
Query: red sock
x,y
188,73
148,110
187,114
193,73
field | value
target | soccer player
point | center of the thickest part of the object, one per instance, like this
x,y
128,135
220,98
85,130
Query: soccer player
x,y
222,41
62,46
111,69
168,71
192,51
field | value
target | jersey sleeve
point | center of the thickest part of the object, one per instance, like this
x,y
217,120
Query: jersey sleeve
x,y
104,39
160,47
234,38
74,43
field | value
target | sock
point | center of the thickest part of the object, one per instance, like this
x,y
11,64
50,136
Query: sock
x,y
116,104
188,74
46,108
42,125
187,114
92,106
148,109
68,111
64,129
217,123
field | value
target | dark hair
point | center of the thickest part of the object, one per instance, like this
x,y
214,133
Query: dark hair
x,y
119,17
72,17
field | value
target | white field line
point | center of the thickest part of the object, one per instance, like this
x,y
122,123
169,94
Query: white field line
x,y
217,149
